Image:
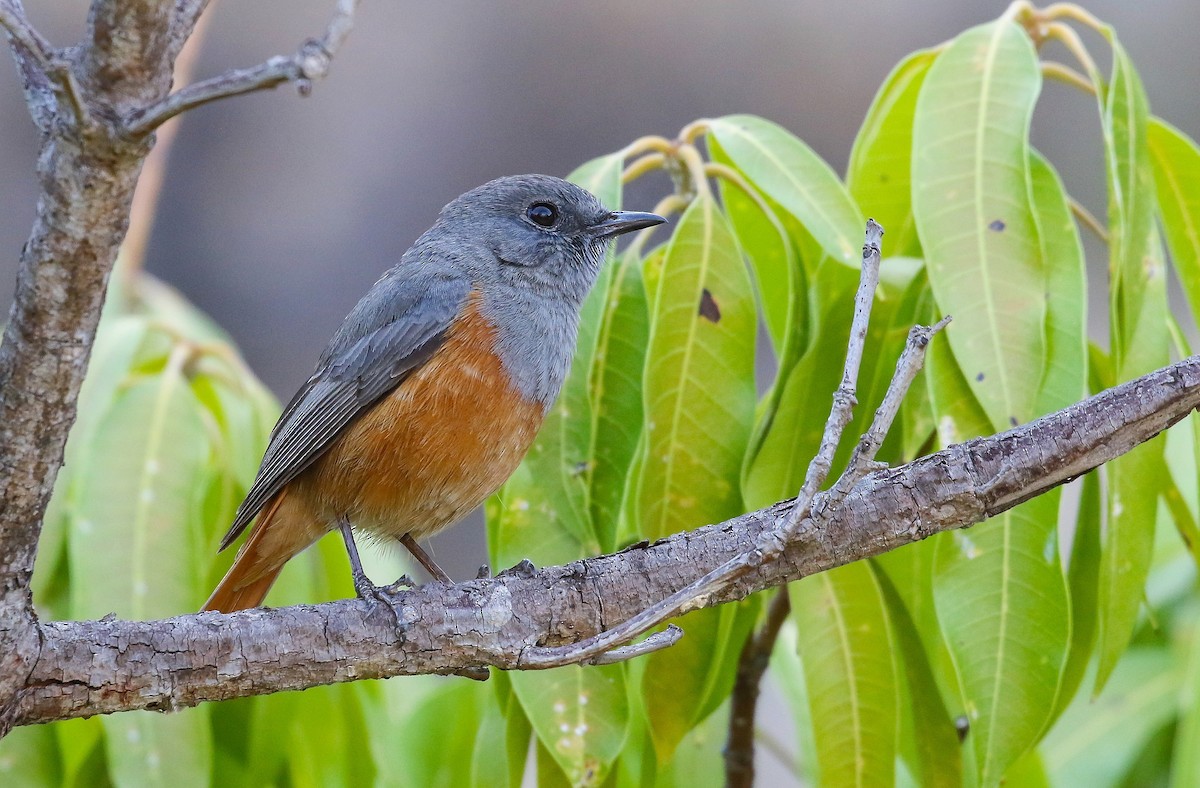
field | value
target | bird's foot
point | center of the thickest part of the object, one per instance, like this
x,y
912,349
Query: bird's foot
x,y
401,583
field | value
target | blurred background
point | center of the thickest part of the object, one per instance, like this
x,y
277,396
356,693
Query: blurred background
x,y
277,212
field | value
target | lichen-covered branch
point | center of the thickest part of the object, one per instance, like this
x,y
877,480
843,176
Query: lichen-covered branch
x,y
96,667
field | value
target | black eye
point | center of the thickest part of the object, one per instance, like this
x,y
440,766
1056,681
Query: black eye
x,y
542,214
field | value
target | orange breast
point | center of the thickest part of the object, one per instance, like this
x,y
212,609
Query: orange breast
x,y
432,450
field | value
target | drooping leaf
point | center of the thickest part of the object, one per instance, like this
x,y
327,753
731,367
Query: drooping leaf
x,y
580,716
779,277
1097,740
792,175
682,685
1001,600
616,391
846,646
1185,771
972,210
130,554
1083,582
423,730
879,176
928,740
502,743
1176,160
29,758
699,379
1138,344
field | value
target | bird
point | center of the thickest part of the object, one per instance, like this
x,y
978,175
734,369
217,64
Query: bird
x,y
432,390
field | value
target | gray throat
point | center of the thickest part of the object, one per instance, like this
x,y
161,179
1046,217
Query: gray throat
x,y
535,339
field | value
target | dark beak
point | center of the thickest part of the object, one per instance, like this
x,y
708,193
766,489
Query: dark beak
x,y
620,222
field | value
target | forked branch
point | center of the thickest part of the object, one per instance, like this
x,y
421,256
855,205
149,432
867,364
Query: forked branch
x,y
308,64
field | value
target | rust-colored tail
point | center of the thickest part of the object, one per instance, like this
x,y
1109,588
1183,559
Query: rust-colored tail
x,y
255,568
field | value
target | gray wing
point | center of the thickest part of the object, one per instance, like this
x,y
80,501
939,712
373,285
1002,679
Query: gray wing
x,y
392,331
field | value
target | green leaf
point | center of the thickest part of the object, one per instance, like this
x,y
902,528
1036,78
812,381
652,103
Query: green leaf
x,y
1134,483
1176,160
29,758
1063,380
778,274
699,379
929,741
1001,600
698,759
1139,343
794,434
423,729
971,205
502,743
127,554
682,685
792,175
130,555
117,343
880,173
786,668
616,395
846,647
1097,741
1185,771
1083,582
579,714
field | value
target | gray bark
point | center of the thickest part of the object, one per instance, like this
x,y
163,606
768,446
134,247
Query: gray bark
x,y
96,667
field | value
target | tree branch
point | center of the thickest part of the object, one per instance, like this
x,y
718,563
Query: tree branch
x,y
96,667
752,664
88,167
309,63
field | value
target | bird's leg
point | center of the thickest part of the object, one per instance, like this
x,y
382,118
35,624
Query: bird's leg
x,y
430,565
366,590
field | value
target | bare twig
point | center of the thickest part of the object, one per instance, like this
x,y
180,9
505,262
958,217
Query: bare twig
x,y
1067,75
46,74
843,398
655,642
752,664
862,460
310,63
21,33
95,667
1088,219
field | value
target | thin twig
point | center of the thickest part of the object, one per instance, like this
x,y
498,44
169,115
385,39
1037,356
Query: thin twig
x,y
774,541
1088,219
655,642
691,131
311,62
843,399
651,143
695,180
743,707
1067,75
44,70
639,167
21,32
862,460
1067,36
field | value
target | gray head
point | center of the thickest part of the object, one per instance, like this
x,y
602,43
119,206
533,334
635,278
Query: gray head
x,y
534,232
